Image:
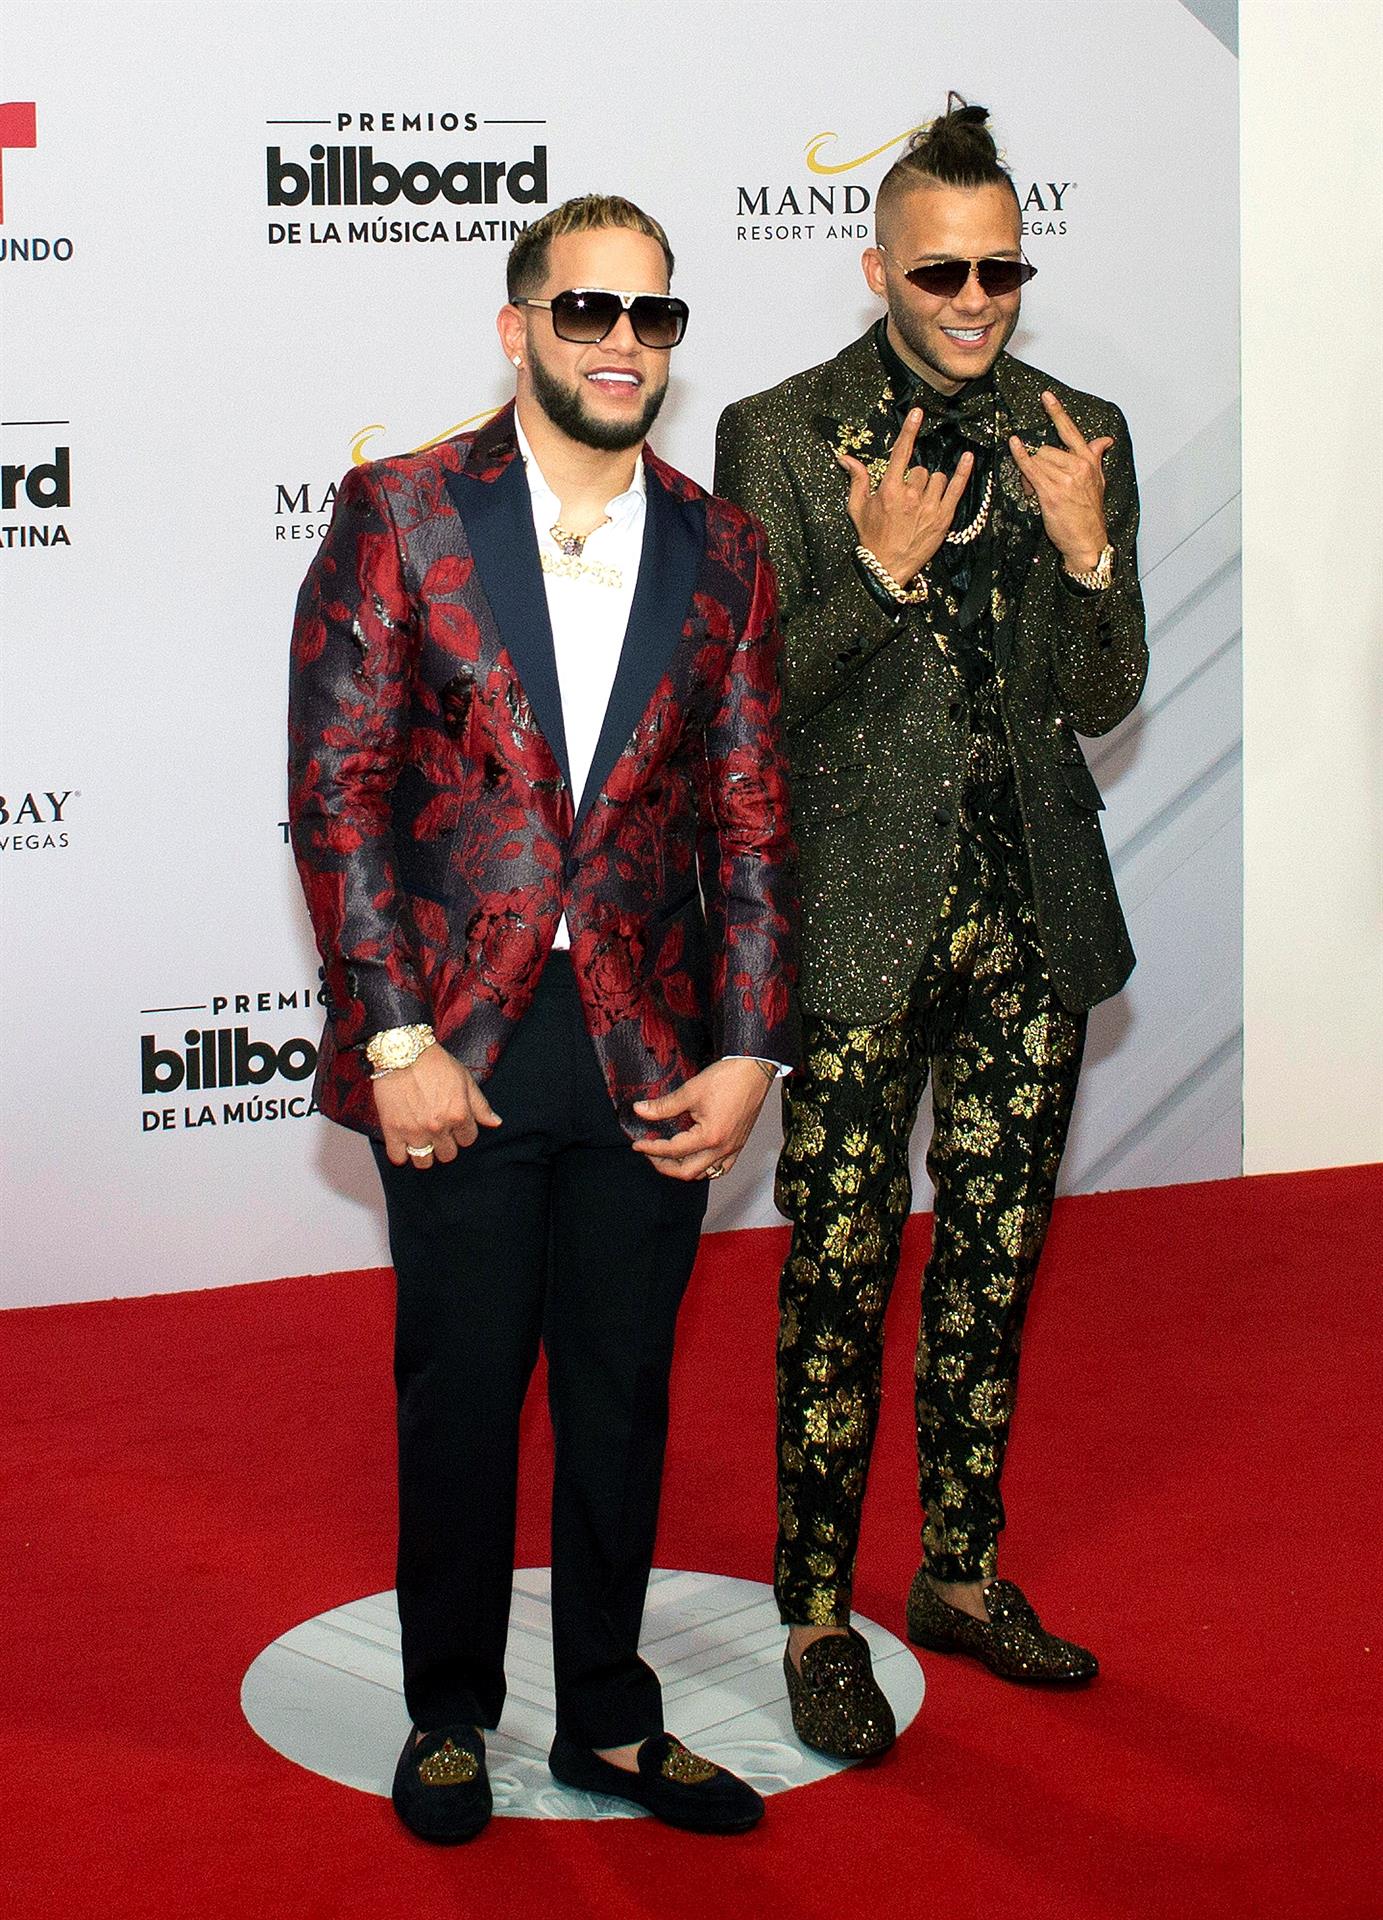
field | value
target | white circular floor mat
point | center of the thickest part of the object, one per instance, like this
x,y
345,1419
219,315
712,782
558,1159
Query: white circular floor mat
x,y
328,1694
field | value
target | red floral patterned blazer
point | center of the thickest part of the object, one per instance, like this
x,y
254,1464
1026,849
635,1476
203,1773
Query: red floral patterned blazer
x,y
436,833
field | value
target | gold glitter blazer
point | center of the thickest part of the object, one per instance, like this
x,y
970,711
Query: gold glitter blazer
x,y
878,734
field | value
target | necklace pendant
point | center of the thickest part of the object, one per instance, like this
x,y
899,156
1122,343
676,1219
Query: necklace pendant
x,y
572,545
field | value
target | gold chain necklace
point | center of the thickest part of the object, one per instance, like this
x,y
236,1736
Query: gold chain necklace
x,y
572,544
964,535
570,566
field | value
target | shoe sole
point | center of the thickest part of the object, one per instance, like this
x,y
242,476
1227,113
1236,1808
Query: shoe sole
x,y
851,1759
1014,1679
579,1785
443,1839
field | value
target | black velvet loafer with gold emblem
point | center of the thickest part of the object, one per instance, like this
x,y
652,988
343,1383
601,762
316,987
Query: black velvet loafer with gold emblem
x,y
838,1707
441,1789
672,1784
1012,1643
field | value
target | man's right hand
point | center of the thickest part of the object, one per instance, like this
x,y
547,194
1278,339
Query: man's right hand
x,y
435,1103
904,520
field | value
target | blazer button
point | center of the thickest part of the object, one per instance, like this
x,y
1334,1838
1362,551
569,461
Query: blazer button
x,y
941,817
570,869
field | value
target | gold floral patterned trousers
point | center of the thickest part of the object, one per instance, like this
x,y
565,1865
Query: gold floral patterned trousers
x,y
1003,1056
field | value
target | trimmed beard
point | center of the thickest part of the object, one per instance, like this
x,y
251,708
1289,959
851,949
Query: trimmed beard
x,y
565,407
905,327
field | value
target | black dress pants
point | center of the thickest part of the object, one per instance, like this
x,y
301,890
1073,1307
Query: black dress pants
x,y
549,1227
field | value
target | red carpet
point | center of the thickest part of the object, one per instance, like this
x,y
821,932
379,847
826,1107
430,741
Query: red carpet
x,y
1193,1489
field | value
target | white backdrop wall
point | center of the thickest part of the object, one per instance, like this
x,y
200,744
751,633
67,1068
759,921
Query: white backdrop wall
x,y
190,366
1313,589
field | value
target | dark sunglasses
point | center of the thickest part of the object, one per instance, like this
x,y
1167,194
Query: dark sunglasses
x,y
943,279
584,315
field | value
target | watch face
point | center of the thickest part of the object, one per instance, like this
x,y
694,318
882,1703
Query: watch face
x,y
398,1048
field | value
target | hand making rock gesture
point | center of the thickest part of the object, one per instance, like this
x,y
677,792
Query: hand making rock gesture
x,y
1068,485
904,520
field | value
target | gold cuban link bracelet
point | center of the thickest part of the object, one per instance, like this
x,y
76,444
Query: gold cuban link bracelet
x,y
906,596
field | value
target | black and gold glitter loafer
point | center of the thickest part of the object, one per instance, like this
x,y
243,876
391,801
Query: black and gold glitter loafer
x,y
441,1789
672,1784
838,1707
1013,1642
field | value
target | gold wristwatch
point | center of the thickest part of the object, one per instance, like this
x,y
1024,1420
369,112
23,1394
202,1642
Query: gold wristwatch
x,y
1098,577
397,1047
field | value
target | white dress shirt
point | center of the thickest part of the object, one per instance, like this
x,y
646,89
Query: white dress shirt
x,y
588,617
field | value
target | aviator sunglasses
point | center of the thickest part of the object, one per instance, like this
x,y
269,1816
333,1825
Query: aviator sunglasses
x,y
943,279
584,315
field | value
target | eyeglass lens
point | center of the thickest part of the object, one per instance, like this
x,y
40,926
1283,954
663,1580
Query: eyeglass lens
x,y
945,278
583,318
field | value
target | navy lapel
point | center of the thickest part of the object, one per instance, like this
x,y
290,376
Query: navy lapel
x,y
498,520
674,541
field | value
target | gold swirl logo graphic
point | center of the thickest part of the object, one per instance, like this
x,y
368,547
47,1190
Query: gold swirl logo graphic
x,y
815,164
359,457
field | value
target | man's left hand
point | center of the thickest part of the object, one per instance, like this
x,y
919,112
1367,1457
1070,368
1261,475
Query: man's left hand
x,y
722,1103
1068,483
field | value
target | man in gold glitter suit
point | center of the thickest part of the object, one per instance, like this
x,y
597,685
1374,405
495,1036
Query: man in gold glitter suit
x,y
954,534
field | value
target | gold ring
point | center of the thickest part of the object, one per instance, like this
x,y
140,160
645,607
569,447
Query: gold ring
x,y
714,1173
418,1153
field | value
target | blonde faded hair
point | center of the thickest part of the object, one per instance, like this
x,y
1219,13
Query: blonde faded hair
x,y
527,264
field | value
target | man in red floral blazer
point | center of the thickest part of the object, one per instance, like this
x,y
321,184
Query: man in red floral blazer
x,y
538,808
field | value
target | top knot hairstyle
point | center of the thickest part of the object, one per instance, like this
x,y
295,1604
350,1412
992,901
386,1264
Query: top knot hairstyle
x,y
954,150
